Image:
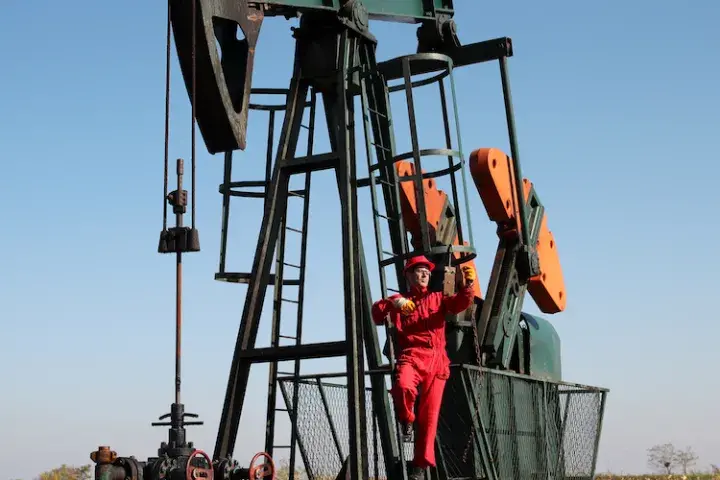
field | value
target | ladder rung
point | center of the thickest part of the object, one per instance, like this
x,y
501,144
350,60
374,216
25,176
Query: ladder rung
x,y
288,337
236,277
299,194
297,230
311,163
393,290
295,352
282,410
388,253
281,446
291,265
388,262
290,300
389,219
306,127
286,373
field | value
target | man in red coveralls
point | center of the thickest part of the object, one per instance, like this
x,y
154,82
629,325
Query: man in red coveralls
x,y
422,362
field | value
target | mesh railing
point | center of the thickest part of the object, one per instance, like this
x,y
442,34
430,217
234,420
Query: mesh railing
x,y
532,428
322,426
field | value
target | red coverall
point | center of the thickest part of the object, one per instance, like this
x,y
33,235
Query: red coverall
x,y
422,360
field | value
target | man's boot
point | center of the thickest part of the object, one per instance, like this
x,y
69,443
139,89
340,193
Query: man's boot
x,y
416,473
407,432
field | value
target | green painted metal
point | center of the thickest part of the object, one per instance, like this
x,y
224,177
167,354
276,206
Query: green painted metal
x,y
526,422
521,427
506,304
545,348
391,10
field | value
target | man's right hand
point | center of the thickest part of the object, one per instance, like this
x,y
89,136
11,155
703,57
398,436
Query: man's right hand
x,y
404,305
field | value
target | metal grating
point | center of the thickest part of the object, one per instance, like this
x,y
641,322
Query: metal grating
x,y
533,428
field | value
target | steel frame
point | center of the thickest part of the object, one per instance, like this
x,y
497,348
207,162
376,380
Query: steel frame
x,y
229,188
338,98
358,74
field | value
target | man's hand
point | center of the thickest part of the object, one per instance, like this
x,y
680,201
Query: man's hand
x,y
468,274
405,305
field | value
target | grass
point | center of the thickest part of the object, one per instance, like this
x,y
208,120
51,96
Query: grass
x,y
690,476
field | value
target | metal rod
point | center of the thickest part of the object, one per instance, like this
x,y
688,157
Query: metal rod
x,y
301,445
178,288
167,119
545,418
601,414
463,176
194,99
328,413
418,180
514,151
227,179
448,144
269,158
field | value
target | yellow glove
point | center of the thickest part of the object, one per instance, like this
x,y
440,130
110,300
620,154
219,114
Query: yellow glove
x,y
468,273
405,305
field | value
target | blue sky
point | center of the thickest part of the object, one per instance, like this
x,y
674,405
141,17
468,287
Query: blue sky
x,y
617,116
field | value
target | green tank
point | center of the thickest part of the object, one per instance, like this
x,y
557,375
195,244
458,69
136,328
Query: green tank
x,y
544,348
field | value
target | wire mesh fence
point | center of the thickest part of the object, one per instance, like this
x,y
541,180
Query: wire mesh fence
x,y
530,428
533,428
323,430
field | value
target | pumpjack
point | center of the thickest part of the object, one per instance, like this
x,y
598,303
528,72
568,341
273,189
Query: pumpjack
x,y
507,413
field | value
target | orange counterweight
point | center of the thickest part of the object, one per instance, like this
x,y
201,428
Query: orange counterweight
x,y
493,174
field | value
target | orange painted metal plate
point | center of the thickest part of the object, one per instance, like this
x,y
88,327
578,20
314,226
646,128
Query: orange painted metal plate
x,y
494,178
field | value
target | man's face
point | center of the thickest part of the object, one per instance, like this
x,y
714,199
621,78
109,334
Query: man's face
x,y
419,276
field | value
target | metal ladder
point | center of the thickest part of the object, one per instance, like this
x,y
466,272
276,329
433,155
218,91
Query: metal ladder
x,y
278,299
377,119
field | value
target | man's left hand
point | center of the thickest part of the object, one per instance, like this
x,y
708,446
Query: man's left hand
x,y
468,274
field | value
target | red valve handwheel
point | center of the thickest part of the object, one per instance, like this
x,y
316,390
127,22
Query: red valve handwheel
x,y
197,473
264,470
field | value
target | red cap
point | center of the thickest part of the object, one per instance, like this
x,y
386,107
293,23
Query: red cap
x,y
417,261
